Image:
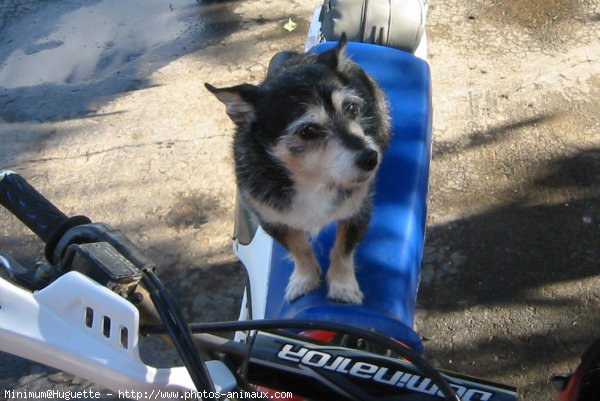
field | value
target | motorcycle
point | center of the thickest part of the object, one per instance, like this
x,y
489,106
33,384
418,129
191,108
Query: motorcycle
x,y
80,312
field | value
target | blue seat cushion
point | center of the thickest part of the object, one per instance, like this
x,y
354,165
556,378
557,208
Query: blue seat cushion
x,y
388,259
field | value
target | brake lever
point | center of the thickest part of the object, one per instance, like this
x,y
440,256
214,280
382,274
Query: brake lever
x,y
30,278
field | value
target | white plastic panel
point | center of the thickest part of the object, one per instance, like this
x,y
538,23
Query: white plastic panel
x,y
256,258
80,327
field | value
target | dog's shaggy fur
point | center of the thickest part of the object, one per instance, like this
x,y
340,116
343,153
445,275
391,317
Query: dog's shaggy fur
x,y
308,142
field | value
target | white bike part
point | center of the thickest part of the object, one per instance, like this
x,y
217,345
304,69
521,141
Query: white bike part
x,y
256,258
78,326
415,11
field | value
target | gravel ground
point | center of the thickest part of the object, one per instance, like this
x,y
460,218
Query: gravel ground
x,y
126,133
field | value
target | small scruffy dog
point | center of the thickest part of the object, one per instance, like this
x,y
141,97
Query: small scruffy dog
x,y
308,142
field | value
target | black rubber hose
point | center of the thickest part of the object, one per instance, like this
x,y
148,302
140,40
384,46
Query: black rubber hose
x,y
179,331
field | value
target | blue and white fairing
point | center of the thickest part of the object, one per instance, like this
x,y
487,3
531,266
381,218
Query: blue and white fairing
x,y
388,260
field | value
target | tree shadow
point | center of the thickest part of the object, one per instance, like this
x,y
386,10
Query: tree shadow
x,y
503,253
480,138
524,273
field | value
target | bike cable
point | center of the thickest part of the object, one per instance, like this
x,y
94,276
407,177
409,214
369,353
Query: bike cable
x,y
179,332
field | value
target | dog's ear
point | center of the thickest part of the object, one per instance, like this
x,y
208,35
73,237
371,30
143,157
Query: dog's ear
x,y
333,57
239,102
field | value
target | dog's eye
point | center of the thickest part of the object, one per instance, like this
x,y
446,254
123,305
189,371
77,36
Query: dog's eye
x,y
351,109
310,132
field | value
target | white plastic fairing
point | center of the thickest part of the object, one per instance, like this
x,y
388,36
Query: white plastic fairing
x,y
422,50
81,327
256,258
314,36
245,314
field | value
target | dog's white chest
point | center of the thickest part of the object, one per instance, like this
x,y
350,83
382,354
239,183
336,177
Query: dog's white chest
x,y
314,206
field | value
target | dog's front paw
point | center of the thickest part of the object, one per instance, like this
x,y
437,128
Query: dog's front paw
x,y
345,292
301,284
341,279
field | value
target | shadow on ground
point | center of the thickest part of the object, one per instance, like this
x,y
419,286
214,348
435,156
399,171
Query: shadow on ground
x,y
83,54
525,238
524,271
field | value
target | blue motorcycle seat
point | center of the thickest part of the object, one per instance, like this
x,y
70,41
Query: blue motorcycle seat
x,y
388,259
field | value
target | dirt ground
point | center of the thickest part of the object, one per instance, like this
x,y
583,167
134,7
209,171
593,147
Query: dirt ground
x,y
103,109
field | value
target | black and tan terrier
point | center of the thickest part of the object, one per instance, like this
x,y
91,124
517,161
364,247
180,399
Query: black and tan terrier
x,y
308,143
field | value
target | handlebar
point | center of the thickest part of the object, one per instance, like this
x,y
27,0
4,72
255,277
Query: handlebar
x,y
28,205
112,260
35,211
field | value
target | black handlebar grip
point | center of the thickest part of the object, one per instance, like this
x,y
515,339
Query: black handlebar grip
x,y
29,206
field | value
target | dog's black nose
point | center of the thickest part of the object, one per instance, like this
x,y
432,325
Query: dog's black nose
x,y
367,160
